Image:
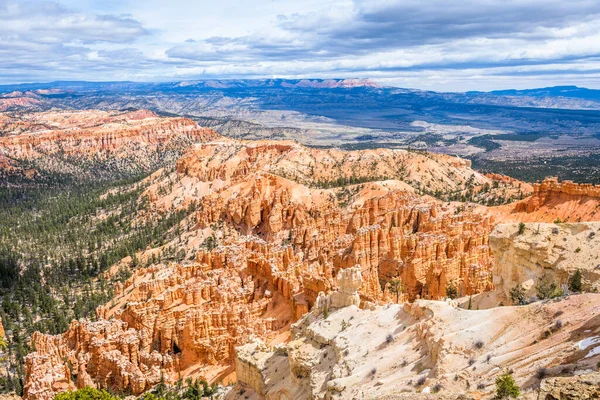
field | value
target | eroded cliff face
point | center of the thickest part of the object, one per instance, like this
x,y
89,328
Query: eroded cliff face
x,y
552,250
83,143
390,233
552,200
166,322
260,246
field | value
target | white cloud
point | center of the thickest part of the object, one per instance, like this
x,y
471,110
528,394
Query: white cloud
x,y
448,45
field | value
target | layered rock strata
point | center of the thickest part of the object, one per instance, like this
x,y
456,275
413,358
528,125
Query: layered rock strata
x,y
415,350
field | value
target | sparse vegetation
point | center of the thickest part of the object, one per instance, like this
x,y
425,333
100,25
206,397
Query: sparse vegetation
x,y
451,291
547,289
395,286
506,387
87,393
575,282
517,295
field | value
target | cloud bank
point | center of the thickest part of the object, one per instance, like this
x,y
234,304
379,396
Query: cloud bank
x,y
437,44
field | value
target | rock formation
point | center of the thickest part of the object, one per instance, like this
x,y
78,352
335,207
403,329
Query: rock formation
x,y
274,224
395,352
552,200
166,322
552,250
90,142
573,388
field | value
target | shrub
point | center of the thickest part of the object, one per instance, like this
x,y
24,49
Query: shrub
x,y
521,228
437,388
471,361
575,282
421,381
578,250
197,389
389,338
478,344
557,325
517,295
451,291
480,386
506,387
546,289
541,373
87,393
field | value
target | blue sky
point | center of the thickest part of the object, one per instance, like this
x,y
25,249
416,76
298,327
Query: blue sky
x,y
445,45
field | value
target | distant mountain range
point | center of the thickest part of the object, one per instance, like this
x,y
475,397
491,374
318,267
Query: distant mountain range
x,y
554,91
197,84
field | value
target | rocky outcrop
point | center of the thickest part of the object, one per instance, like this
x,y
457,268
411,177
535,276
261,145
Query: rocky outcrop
x,y
554,251
551,188
2,333
402,352
390,234
553,200
166,323
572,388
134,130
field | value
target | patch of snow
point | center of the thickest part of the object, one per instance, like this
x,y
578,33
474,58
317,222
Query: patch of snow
x,y
593,352
587,342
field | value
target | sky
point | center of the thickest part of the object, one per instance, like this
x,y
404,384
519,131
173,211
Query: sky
x,y
444,45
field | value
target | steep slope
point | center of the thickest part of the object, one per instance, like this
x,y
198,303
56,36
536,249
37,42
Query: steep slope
x,y
552,200
396,352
